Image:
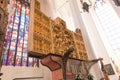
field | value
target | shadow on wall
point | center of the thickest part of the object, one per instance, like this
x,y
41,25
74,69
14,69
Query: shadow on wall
x,y
117,2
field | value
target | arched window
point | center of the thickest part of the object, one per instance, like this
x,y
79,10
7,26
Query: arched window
x,y
15,52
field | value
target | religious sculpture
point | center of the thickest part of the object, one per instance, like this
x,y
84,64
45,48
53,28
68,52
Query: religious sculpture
x,y
52,36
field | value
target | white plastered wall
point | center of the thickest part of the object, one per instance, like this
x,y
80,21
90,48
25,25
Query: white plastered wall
x,y
98,46
12,72
97,37
117,8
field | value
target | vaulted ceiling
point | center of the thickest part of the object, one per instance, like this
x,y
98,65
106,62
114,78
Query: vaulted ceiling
x,y
68,10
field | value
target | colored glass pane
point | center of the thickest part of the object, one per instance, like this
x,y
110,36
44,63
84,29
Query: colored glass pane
x,y
15,52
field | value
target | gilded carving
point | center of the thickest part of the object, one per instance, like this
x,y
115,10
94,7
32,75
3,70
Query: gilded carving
x,y
52,36
41,31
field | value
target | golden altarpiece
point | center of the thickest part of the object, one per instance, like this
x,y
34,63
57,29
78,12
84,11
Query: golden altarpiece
x,y
51,41
52,36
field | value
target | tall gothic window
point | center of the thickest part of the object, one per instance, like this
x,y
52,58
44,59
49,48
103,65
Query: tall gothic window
x,y
15,53
110,23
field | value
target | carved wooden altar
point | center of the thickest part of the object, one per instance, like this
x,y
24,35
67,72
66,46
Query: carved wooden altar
x,y
52,36
56,45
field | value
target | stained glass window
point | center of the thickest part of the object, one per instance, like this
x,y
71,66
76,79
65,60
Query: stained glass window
x,y
15,52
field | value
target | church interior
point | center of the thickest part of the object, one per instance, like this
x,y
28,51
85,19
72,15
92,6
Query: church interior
x,y
59,39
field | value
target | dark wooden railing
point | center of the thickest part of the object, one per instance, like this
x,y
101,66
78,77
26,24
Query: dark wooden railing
x,y
29,78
